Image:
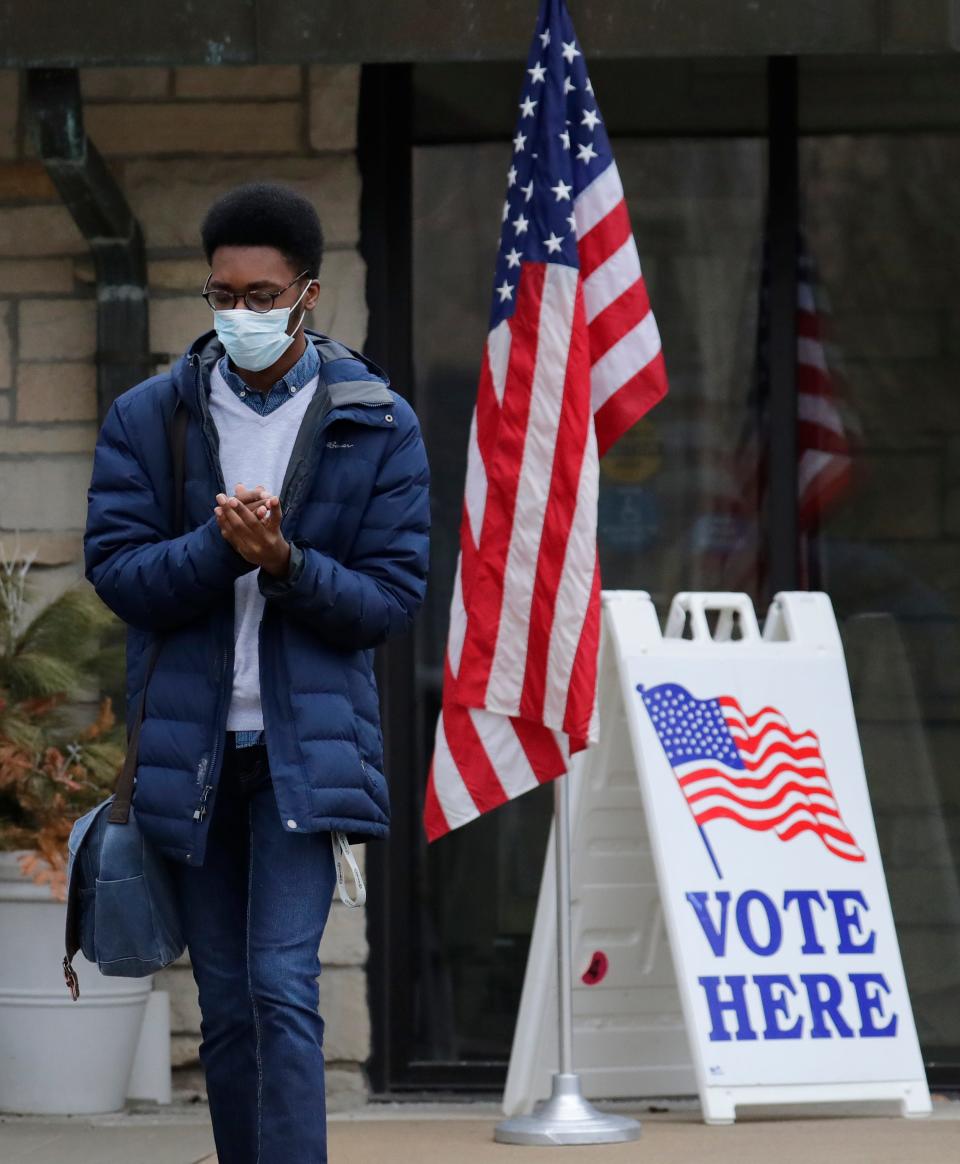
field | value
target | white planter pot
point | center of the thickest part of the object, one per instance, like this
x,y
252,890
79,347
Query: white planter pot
x,y
56,1055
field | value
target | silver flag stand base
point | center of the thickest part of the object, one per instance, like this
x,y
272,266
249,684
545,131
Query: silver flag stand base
x,y
566,1118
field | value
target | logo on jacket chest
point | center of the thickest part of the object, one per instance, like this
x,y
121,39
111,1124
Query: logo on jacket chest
x,y
339,444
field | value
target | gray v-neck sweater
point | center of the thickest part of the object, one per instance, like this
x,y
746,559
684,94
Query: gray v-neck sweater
x,y
254,450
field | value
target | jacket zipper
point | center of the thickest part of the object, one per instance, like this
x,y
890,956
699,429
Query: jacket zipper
x,y
205,427
201,810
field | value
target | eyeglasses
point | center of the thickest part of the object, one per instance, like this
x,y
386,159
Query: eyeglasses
x,y
259,300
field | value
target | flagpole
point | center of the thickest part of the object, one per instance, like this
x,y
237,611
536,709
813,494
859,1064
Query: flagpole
x,y
566,1117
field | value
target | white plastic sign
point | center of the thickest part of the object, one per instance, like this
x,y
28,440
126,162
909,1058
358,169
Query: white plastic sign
x,y
767,865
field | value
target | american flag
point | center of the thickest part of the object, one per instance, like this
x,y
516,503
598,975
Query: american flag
x,y
572,360
752,769
824,465
826,437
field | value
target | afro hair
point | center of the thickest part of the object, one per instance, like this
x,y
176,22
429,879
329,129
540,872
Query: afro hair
x,y
266,214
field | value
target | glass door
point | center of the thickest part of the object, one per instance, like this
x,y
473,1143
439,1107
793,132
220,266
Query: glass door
x,y
697,212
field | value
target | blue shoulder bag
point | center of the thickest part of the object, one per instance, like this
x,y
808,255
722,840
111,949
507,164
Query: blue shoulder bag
x,y
121,906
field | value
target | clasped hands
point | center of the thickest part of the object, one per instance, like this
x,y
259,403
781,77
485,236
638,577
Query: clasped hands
x,y
250,522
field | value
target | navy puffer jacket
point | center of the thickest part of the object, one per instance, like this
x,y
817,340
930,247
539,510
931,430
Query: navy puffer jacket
x,y
355,503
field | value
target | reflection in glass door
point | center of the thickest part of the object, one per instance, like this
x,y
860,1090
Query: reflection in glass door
x,y
888,552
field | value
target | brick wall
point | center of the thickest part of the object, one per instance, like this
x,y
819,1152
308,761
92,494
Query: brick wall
x,y
175,139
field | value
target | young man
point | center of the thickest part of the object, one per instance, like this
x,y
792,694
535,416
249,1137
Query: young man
x,y
306,541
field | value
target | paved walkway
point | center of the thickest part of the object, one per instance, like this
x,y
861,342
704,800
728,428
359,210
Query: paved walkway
x,y
462,1134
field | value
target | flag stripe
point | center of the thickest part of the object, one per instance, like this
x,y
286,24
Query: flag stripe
x,y
627,357
485,597
611,279
625,407
567,707
560,551
616,320
466,747
602,240
532,490
452,796
602,196
505,752
583,680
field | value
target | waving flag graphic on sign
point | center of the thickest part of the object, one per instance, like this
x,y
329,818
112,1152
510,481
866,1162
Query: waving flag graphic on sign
x,y
752,769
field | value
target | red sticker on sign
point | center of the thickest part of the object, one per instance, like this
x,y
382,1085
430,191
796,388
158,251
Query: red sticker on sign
x,y
597,970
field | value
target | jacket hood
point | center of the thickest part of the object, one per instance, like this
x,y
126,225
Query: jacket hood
x,y
342,367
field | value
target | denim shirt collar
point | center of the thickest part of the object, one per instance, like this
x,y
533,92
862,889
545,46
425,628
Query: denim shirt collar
x,y
302,372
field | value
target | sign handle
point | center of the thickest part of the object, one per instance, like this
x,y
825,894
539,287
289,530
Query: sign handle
x,y
566,1117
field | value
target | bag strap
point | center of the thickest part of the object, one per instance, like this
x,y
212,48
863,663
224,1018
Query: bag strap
x,y
123,789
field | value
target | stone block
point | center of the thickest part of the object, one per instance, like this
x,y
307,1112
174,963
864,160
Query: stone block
x,y
170,198
887,335
346,1014
62,438
890,761
39,230
30,276
916,838
57,329
915,25
930,958
883,396
176,323
189,1085
26,182
334,97
346,1088
9,112
184,1004
345,937
913,901
84,271
900,665
6,346
58,549
198,127
184,1050
933,564
898,497
951,511
341,310
177,275
240,83
6,405
124,84
46,493
56,392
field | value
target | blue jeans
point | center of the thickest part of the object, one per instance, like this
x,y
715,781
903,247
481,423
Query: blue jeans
x,y
253,916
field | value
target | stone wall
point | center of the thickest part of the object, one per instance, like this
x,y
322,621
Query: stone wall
x,y
175,139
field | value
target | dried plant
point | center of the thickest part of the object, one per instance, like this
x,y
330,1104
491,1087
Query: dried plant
x,y
51,772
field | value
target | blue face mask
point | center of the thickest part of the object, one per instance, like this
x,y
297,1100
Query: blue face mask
x,y
256,339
